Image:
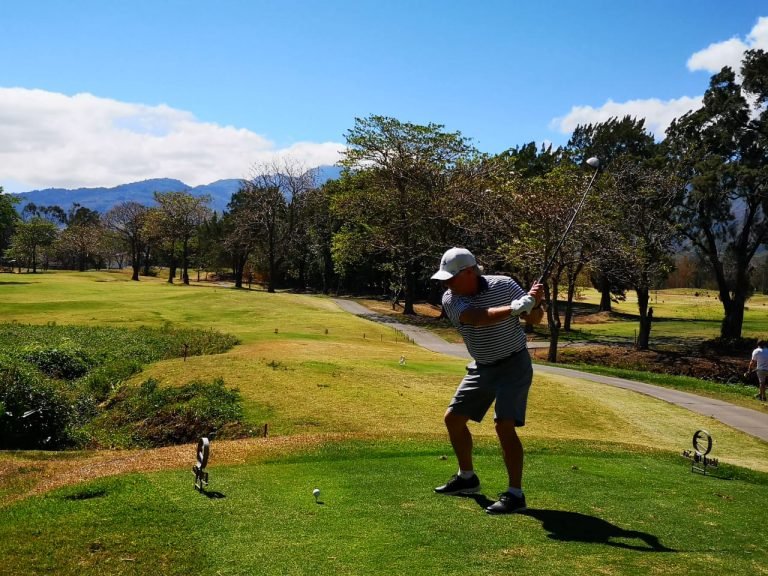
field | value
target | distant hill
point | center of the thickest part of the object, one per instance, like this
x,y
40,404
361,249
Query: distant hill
x,y
102,199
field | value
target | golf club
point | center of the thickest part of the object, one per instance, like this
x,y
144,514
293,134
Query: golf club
x,y
594,163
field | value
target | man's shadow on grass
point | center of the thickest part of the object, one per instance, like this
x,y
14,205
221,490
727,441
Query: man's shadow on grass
x,y
576,527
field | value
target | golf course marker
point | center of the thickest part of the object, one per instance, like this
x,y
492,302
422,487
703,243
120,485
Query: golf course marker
x,y
702,445
201,475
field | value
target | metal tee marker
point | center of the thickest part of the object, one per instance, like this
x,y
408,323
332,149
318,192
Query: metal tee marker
x,y
201,475
702,445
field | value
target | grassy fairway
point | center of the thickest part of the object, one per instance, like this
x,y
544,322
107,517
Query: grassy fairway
x,y
679,313
607,487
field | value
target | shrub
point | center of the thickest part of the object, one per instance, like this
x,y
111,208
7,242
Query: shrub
x,y
60,362
150,415
104,379
35,414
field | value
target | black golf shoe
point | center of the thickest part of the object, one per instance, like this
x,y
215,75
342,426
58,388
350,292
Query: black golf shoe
x,y
507,504
459,485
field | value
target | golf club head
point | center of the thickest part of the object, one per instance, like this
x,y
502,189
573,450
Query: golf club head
x,y
594,162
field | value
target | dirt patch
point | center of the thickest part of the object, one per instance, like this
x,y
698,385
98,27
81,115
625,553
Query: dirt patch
x,y
596,318
695,362
426,314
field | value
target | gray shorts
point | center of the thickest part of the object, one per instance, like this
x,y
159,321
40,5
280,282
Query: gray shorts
x,y
507,382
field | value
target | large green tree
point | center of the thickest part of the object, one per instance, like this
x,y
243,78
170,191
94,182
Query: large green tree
x,y
127,220
609,141
258,215
536,211
182,215
400,204
8,218
642,199
29,239
721,152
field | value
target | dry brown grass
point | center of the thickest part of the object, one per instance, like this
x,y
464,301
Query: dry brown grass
x,y
41,472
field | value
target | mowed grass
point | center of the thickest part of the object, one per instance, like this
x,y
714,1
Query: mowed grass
x,y
608,488
594,509
680,313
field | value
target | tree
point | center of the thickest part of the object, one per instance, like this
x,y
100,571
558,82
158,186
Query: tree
x,y
295,181
646,244
127,220
79,215
155,242
609,141
398,206
212,253
258,216
321,225
538,210
182,215
237,243
29,238
721,152
54,214
82,244
8,219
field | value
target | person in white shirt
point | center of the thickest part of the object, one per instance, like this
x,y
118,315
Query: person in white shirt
x,y
759,363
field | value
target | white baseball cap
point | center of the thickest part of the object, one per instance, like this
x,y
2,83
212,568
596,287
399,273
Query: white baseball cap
x,y
453,262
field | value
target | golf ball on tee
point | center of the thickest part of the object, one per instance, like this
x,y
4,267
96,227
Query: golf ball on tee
x,y
316,492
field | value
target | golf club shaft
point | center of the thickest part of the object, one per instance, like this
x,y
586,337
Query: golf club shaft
x,y
567,229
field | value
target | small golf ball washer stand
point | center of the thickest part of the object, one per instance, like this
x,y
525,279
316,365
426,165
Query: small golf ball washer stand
x,y
201,475
702,445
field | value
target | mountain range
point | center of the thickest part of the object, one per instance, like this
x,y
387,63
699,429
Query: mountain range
x,y
102,199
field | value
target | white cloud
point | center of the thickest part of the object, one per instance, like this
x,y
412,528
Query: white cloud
x,y
658,114
54,140
730,52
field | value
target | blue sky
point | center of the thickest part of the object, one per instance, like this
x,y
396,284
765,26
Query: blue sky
x,y
96,93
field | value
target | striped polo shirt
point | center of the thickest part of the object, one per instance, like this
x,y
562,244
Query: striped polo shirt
x,y
488,344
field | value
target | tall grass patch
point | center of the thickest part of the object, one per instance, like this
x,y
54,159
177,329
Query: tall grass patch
x,y
54,379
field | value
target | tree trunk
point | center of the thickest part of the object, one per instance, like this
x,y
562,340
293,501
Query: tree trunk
x,y
272,267
238,266
605,294
646,318
147,251
553,319
569,305
554,336
734,316
184,263
135,261
410,289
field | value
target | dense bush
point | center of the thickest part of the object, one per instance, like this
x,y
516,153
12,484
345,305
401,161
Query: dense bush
x,y
102,380
33,412
56,380
67,363
150,415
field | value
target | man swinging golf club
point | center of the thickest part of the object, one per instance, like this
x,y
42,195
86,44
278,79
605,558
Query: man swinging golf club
x,y
487,310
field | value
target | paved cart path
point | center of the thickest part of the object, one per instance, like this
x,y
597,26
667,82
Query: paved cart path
x,y
752,422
